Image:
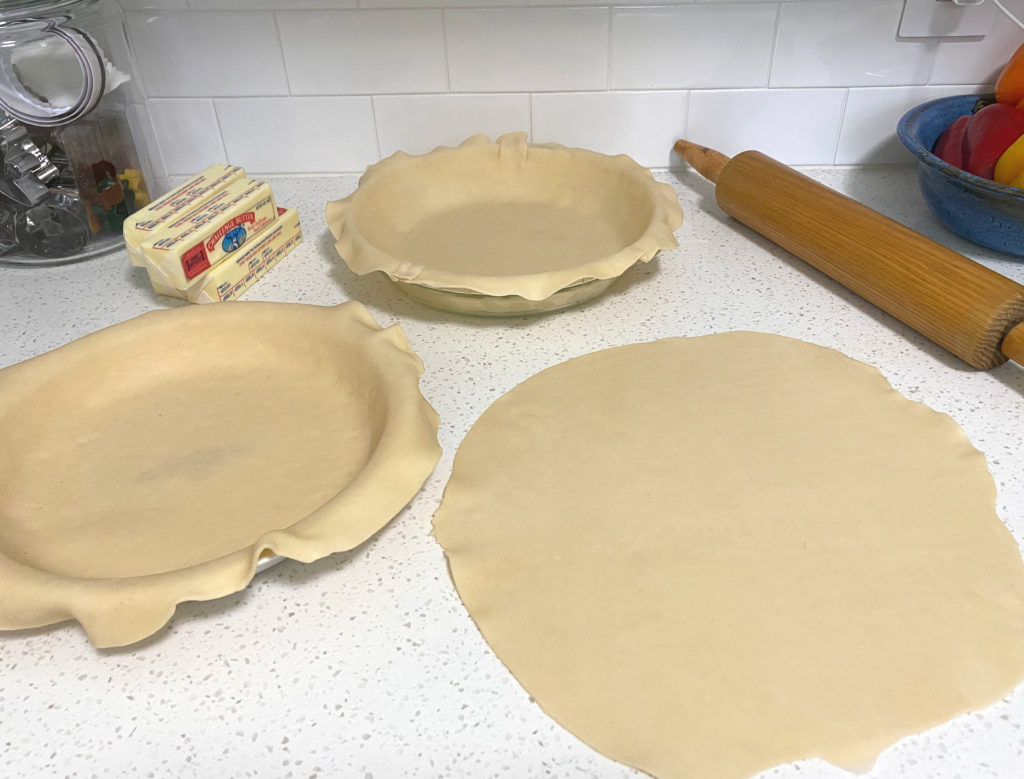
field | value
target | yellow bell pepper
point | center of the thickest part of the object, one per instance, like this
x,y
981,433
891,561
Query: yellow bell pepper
x,y
1010,165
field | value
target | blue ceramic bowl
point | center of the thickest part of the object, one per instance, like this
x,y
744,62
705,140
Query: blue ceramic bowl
x,y
978,209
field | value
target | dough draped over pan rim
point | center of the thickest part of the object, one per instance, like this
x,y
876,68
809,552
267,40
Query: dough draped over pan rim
x,y
481,169
242,357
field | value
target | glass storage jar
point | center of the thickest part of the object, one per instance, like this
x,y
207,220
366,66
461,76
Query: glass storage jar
x,y
70,115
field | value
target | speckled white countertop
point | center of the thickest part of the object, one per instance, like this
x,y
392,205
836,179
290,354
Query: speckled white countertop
x,y
365,664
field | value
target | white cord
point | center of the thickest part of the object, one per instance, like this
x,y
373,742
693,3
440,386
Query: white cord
x,y
1006,11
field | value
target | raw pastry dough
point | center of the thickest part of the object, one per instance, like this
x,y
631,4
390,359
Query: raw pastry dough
x,y
504,218
709,556
156,461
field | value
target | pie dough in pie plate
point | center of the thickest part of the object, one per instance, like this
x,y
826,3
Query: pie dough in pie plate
x,y
162,459
504,228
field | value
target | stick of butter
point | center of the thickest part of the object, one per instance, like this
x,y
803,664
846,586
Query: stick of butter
x,y
231,277
191,244
145,222
236,274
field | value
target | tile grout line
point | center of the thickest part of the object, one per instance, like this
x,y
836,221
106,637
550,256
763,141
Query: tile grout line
x,y
842,123
280,52
774,43
608,52
685,130
220,130
528,91
529,105
376,125
444,50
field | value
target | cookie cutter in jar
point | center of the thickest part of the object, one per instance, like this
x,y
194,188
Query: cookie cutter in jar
x,y
52,73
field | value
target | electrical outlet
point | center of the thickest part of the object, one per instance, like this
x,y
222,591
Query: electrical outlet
x,y
946,19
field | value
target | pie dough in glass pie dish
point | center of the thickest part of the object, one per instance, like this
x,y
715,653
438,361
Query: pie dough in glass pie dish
x,y
162,459
504,228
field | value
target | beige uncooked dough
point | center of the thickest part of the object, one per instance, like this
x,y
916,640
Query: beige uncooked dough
x,y
504,218
709,556
156,461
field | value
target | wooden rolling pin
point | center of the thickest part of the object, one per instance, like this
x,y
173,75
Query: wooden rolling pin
x,y
972,311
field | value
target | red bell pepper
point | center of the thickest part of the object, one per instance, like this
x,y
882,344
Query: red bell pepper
x,y
989,133
950,146
976,142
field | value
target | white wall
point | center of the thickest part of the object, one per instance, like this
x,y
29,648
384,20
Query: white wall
x,y
318,86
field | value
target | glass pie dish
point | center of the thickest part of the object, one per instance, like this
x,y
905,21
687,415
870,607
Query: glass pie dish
x,y
504,228
169,457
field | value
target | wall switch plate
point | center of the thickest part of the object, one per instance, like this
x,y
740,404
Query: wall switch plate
x,y
945,19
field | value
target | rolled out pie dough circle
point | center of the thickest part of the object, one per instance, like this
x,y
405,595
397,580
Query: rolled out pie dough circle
x,y
709,556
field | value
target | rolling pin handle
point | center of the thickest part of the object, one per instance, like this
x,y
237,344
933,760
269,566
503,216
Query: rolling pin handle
x,y
1013,344
707,162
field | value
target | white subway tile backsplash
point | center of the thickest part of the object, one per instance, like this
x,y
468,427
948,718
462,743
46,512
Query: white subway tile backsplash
x,y
156,5
187,134
869,123
643,125
972,61
1016,9
151,158
796,126
417,123
268,5
207,54
363,52
436,3
611,3
412,74
527,49
678,47
825,44
298,134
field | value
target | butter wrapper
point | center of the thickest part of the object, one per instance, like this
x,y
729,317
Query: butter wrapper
x,y
234,275
161,285
193,243
148,221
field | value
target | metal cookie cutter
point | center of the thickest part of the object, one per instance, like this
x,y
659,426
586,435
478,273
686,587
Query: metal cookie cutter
x,y
26,170
50,74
